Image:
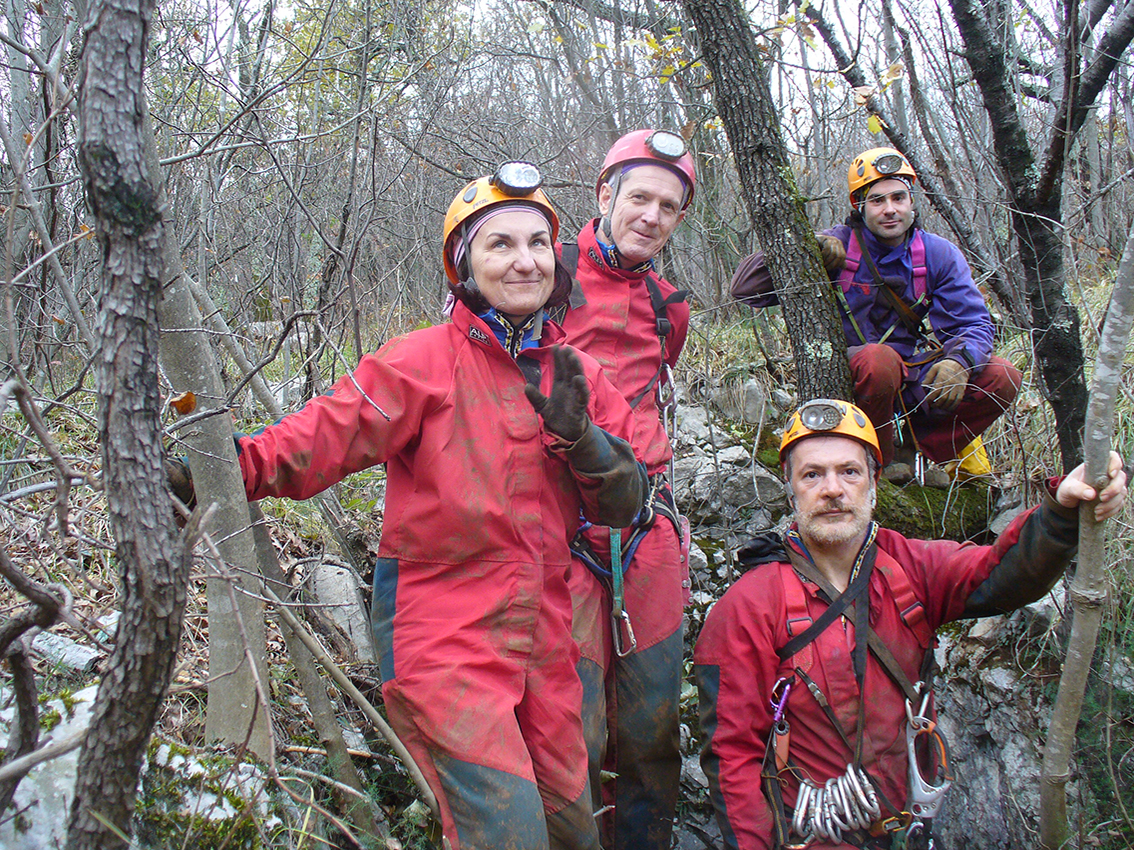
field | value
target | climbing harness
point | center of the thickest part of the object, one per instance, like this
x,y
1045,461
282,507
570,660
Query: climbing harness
x,y
884,288
660,500
849,807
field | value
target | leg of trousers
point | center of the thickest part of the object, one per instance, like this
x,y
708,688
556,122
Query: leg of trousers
x,y
631,704
877,372
942,436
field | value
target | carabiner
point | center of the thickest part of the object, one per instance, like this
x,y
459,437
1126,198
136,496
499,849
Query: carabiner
x,y
925,796
779,703
920,720
666,389
618,619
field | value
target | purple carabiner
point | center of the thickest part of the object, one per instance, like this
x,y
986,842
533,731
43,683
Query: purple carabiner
x,y
780,703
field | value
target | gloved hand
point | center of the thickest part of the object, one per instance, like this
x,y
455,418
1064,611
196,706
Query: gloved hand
x,y
564,412
834,253
180,481
945,384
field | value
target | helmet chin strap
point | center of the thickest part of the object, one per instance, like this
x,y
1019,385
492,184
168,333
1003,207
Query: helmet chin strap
x,y
470,283
615,183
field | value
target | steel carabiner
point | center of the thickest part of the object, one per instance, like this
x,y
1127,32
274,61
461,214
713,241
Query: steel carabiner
x,y
618,620
926,796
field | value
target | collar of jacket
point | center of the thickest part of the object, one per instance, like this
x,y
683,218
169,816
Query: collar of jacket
x,y
514,339
543,334
792,538
609,253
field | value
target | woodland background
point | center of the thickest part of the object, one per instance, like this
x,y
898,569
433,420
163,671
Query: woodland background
x,y
308,153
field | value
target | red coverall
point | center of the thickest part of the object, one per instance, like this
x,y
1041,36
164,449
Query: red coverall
x,y
471,611
632,702
736,665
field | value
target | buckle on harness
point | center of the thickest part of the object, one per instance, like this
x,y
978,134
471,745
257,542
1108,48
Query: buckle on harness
x,y
618,620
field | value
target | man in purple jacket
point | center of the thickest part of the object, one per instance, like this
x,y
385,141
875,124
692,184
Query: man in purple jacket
x,y
918,332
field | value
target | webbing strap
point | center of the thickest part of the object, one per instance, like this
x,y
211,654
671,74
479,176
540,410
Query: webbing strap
x,y
616,569
854,259
569,257
662,325
798,619
856,255
909,606
880,650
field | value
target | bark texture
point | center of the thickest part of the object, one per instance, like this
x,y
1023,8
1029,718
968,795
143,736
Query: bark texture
x,y
744,101
153,564
1090,586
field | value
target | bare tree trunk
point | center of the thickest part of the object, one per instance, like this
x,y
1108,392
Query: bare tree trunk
x,y
233,715
1035,187
745,103
1089,587
153,564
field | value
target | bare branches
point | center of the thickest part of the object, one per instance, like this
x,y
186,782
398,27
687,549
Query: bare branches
x,y
1090,586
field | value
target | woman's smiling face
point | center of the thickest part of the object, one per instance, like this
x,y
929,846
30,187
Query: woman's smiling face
x,y
513,263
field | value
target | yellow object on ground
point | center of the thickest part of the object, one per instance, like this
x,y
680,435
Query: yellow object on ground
x,y
973,463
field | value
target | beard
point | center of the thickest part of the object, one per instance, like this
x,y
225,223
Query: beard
x,y
850,527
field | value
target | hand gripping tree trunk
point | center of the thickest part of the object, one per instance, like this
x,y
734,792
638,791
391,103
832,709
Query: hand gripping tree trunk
x,y
744,101
1089,586
153,563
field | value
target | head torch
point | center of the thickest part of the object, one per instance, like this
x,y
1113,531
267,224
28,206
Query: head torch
x,y
666,145
517,179
888,163
821,415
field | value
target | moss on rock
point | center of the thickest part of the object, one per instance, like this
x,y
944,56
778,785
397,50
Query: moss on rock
x,y
959,513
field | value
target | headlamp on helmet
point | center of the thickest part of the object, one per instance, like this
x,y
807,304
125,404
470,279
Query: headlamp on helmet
x,y
666,145
513,183
877,164
517,179
643,147
821,415
833,417
889,163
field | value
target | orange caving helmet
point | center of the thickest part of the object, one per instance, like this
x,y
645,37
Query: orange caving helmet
x,y
827,417
877,164
513,183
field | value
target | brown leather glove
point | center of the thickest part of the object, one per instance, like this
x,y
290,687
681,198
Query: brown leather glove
x,y
834,253
564,412
945,384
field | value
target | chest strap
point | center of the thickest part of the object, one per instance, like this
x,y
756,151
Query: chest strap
x,y
663,327
854,260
